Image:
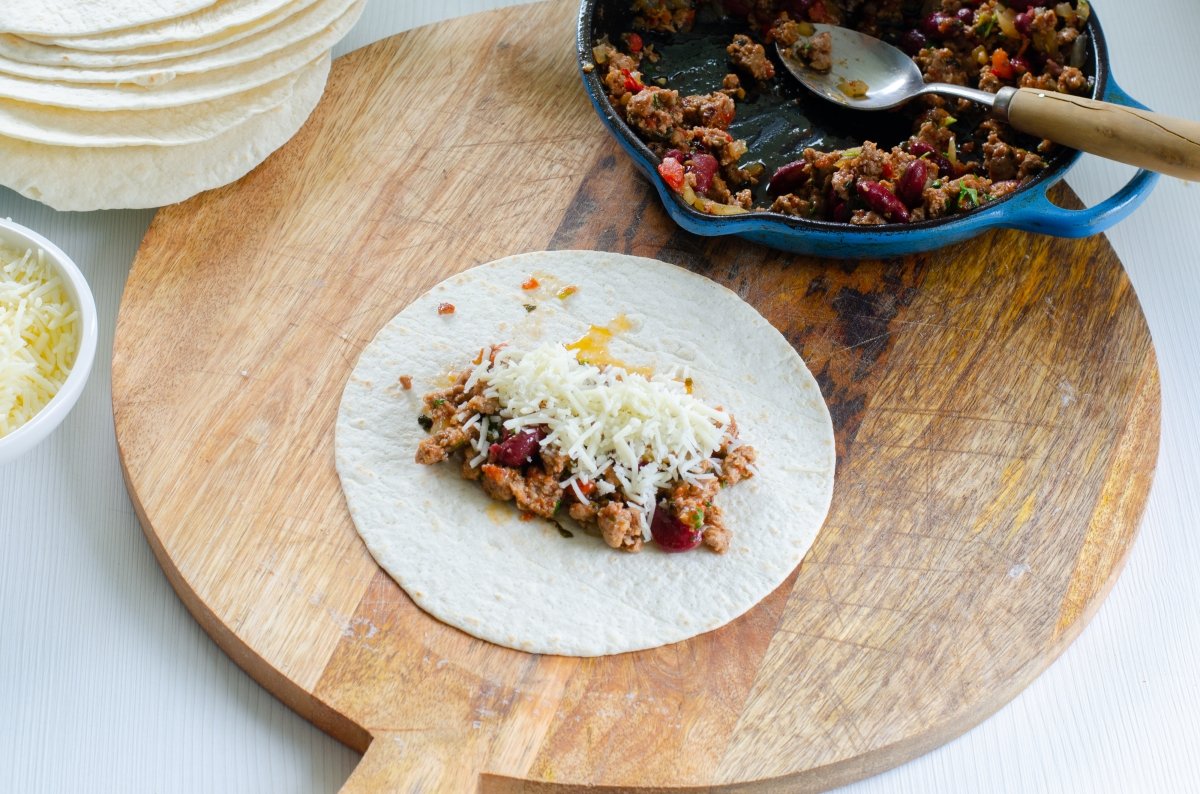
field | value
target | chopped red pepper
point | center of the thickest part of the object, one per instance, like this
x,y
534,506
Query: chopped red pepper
x,y
1001,66
888,171
671,170
532,283
635,43
723,118
632,84
491,356
445,308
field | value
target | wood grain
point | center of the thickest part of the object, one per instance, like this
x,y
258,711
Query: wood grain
x,y
996,407
1128,135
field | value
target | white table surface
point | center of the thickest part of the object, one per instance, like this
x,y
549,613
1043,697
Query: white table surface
x,y
107,684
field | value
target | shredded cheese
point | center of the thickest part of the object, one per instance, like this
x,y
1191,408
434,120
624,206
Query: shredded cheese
x,y
39,335
648,430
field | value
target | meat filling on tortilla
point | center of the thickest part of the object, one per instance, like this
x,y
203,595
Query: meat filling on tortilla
x,y
495,444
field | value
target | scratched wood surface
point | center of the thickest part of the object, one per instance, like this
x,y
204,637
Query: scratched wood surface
x,y
996,407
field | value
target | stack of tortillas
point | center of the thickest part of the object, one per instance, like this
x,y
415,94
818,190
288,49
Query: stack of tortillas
x,y
139,103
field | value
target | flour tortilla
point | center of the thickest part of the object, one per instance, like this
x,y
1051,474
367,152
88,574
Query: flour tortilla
x,y
82,17
16,48
213,19
301,26
72,178
184,90
178,126
474,564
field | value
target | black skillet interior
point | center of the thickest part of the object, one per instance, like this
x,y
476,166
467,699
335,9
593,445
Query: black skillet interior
x,y
781,121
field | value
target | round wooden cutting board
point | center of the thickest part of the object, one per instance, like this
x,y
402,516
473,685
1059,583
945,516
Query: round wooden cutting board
x,y
996,407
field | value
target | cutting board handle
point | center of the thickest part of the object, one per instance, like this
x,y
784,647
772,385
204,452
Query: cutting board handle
x,y
415,762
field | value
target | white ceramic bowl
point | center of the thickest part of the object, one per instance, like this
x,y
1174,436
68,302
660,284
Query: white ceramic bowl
x,y
43,423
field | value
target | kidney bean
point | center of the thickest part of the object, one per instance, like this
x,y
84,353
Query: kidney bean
x,y
671,534
837,209
516,450
913,42
939,25
922,149
704,166
1024,22
882,200
911,187
918,148
788,179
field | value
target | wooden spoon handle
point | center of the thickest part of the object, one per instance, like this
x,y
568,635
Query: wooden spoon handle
x,y
1148,140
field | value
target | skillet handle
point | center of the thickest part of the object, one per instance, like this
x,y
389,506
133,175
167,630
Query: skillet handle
x,y
1039,214
1129,135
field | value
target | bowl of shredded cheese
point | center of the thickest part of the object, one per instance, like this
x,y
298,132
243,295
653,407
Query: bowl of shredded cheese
x,y
48,332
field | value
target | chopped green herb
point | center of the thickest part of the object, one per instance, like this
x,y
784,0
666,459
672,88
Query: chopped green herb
x,y
697,519
566,533
530,307
439,402
557,505
937,183
425,422
946,122
984,28
966,194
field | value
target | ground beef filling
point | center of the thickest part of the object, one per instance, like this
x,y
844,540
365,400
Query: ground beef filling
x,y
949,165
750,57
816,52
532,481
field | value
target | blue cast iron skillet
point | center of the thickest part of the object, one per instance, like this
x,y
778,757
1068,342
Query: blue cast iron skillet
x,y
1028,208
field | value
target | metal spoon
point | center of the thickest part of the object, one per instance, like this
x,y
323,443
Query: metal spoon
x,y
1148,140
